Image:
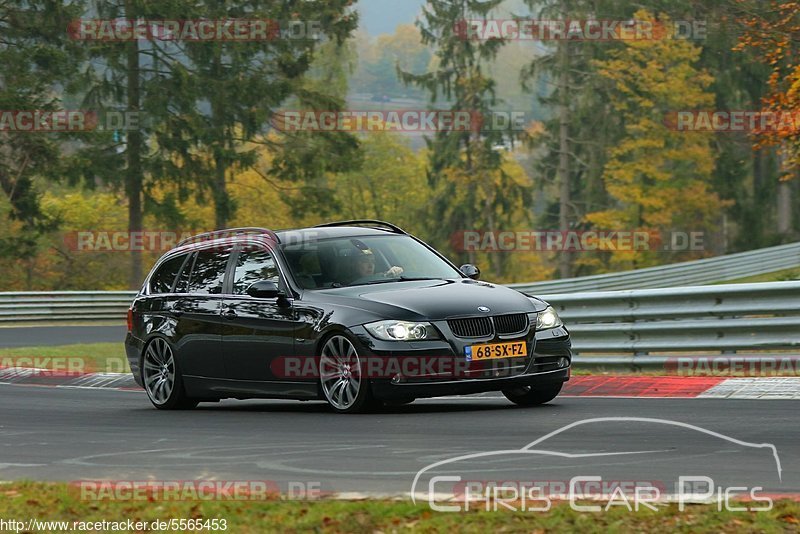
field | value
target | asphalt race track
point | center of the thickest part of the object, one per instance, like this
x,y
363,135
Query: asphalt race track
x,y
81,434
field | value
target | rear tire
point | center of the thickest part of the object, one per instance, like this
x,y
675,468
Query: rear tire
x,y
162,378
533,395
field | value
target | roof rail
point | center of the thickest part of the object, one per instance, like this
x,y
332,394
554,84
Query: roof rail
x,y
219,234
365,222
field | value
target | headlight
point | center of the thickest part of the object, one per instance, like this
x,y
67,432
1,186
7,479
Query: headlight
x,y
401,331
547,319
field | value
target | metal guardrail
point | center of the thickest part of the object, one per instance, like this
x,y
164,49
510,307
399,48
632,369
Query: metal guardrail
x,y
699,272
725,318
64,306
728,319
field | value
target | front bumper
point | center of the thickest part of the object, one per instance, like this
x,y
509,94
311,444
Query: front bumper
x,y
468,386
549,361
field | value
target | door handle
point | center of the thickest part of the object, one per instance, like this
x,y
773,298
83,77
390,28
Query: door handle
x,y
177,313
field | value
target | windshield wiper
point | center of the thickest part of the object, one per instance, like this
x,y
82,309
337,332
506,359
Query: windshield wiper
x,y
399,279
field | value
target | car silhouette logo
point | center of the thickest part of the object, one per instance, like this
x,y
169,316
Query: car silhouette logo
x,y
483,309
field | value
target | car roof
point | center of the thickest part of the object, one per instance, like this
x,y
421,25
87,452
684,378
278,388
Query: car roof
x,y
312,234
298,235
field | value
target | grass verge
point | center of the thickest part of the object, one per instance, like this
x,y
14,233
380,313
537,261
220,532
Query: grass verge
x,y
57,502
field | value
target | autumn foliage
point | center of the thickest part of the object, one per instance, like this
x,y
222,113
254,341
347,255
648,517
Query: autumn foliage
x,y
772,31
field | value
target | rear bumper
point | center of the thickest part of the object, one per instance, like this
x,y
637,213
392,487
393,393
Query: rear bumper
x,y
133,350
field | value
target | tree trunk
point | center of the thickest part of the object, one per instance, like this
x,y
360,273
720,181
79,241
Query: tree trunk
x,y
495,259
220,195
564,256
221,200
133,178
784,207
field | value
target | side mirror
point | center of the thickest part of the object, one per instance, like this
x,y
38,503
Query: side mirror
x,y
470,271
264,289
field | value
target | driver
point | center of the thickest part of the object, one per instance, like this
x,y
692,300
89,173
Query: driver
x,y
365,266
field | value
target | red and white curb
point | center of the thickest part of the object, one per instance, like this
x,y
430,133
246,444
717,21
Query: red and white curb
x,y
678,387
639,386
755,388
683,387
614,386
47,377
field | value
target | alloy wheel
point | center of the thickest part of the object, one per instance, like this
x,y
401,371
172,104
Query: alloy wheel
x,y
159,371
340,372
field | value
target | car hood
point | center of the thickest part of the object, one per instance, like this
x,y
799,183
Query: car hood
x,y
434,299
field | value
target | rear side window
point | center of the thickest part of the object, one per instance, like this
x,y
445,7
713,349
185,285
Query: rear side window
x,y
253,266
163,279
182,285
208,272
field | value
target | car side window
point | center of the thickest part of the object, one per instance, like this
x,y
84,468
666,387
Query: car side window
x,y
208,273
182,284
164,278
253,266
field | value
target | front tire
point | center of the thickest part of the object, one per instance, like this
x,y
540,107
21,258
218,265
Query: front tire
x,y
533,395
162,379
341,373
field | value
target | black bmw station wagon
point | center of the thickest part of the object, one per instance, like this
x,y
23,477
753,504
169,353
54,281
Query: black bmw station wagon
x,y
355,313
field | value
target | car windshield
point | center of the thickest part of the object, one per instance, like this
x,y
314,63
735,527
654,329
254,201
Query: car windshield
x,y
353,261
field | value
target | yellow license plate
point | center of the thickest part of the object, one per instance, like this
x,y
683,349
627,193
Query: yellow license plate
x,y
493,351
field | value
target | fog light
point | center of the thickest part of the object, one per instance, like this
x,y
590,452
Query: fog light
x,y
563,362
397,378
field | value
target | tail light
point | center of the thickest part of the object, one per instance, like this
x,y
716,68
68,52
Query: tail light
x,y
130,319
